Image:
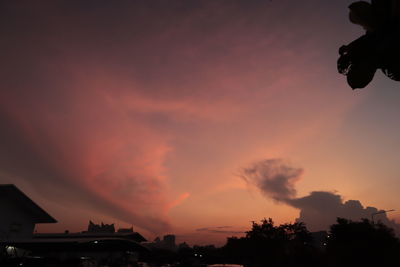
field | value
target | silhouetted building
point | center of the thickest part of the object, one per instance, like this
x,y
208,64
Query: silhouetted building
x,y
168,242
100,228
96,231
183,245
134,236
19,214
98,245
125,230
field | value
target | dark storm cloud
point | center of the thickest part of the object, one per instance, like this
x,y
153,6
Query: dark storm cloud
x,y
274,177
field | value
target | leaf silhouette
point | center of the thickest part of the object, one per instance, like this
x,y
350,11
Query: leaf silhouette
x,y
378,48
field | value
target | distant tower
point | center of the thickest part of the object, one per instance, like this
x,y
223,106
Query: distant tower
x,y
169,241
91,227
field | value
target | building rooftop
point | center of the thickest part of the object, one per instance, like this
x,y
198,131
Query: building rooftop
x,y
135,236
10,193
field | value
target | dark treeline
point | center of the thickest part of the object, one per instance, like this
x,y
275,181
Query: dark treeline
x,y
348,243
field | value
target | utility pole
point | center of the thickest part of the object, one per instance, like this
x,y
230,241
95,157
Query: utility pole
x,y
379,212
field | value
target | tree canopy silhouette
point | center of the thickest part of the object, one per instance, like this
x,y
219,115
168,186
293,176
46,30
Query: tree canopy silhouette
x,y
269,245
378,48
362,243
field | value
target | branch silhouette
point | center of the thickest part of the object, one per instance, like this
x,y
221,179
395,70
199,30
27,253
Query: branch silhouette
x,y
378,48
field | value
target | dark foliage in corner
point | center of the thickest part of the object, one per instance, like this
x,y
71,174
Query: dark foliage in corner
x,y
378,48
362,243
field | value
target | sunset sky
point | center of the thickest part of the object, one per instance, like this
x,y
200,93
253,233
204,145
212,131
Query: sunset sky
x,y
145,113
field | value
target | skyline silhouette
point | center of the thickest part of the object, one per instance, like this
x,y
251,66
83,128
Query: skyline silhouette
x,y
346,243
143,114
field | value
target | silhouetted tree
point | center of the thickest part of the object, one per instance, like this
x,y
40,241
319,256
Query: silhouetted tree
x,y
378,48
269,245
362,243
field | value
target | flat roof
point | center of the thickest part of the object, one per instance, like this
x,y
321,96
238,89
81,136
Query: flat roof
x,y
87,235
76,244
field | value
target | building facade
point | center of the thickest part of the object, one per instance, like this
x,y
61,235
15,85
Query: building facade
x,y
19,214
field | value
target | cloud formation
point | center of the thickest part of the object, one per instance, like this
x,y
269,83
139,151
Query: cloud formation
x,y
100,100
274,177
220,230
93,93
320,209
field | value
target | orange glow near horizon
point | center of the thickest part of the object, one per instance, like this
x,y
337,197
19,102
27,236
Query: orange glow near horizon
x,y
141,115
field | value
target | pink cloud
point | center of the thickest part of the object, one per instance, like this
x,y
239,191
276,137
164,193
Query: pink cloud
x,y
124,108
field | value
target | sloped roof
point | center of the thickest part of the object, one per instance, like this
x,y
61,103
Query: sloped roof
x,y
9,192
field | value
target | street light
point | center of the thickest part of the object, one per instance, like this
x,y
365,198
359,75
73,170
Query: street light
x,y
379,212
